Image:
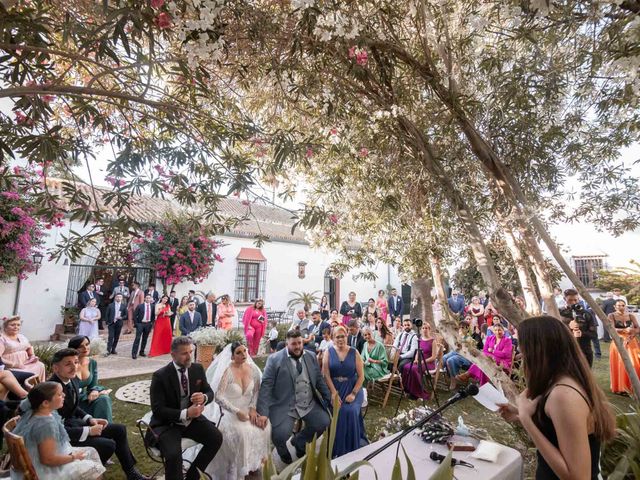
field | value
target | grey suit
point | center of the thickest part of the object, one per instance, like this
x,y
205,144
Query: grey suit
x,y
277,400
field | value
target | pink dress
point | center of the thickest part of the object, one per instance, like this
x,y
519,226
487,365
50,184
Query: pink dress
x,y
501,354
254,328
14,352
381,303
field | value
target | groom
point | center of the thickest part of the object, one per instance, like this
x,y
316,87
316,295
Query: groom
x,y
293,388
179,392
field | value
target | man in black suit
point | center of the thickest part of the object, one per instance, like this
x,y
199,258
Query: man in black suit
x,y
208,310
87,295
174,303
179,393
155,296
83,429
316,328
355,338
143,318
116,314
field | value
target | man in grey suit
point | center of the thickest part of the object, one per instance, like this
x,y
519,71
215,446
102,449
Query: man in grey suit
x,y
293,388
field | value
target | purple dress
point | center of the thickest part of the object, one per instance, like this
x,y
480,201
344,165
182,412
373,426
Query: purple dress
x,y
412,373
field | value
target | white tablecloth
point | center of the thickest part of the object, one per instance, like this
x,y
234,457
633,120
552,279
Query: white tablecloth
x,y
508,466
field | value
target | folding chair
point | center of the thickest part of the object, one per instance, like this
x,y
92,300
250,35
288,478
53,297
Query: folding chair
x,y
32,381
154,453
390,383
20,460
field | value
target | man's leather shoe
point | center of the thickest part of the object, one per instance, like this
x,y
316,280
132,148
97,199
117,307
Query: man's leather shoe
x,y
142,354
134,356
134,474
114,352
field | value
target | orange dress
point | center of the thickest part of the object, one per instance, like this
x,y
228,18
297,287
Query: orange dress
x,y
226,314
620,381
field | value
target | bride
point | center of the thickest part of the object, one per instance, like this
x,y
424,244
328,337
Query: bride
x,y
235,380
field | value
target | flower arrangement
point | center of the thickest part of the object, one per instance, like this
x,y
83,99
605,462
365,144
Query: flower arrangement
x,y
22,225
177,251
98,347
216,338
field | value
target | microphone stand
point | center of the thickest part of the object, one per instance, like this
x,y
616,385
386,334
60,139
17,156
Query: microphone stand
x,y
459,396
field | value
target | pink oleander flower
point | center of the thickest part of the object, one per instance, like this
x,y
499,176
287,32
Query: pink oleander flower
x,y
163,21
333,218
157,3
309,153
363,153
21,118
11,195
352,52
362,57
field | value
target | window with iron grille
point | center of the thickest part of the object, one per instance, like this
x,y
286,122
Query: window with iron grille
x,y
587,268
250,281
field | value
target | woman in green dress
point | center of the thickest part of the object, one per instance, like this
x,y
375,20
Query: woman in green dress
x,y
374,357
93,398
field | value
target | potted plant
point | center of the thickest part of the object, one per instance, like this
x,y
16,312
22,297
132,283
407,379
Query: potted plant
x,y
69,318
209,342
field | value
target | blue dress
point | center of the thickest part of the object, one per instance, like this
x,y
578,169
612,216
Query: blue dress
x,y
350,433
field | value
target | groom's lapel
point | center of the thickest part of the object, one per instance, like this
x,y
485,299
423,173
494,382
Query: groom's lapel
x,y
289,367
307,361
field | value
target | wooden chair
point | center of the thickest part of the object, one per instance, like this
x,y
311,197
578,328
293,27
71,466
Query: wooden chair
x,y
439,373
32,382
20,460
390,383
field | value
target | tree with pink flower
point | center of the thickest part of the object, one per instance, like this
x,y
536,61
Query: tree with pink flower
x,y
178,251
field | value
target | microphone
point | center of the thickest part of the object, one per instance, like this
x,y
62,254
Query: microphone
x,y
471,391
436,457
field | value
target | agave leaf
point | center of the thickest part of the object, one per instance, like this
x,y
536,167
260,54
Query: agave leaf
x,y
444,471
332,428
324,464
396,473
411,473
310,465
288,472
354,467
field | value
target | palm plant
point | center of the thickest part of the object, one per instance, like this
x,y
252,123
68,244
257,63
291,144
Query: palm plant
x,y
304,298
620,457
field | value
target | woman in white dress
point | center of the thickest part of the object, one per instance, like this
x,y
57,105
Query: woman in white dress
x,y
235,379
89,317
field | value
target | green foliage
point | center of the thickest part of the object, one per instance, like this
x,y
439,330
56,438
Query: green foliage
x,y
620,458
626,279
45,352
306,299
282,328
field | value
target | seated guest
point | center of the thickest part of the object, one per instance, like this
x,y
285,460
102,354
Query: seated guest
x,y
355,339
179,393
10,384
497,320
235,379
93,398
344,373
15,350
424,360
499,348
453,361
370,320
334,318
406,343
190,320
397,327
325,343
84,430
374,356
281,401
47,441
301,321
317,327
382,333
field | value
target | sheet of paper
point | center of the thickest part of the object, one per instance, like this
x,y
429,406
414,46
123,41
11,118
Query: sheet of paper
x,y
489,397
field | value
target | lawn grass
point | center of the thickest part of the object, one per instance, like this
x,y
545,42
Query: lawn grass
x,y
376,417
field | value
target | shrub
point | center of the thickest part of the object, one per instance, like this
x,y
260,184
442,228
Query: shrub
x,y
45,351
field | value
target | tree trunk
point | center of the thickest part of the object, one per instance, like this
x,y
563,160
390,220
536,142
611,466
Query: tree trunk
x,y
421,292
499,295
448,328
522,267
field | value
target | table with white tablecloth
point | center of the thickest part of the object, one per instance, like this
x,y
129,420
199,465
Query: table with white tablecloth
x,y
507,467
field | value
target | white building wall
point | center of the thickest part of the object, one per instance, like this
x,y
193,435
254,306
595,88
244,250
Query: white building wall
x,y
42,295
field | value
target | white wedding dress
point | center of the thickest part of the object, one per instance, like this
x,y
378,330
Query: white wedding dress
x,y
244,446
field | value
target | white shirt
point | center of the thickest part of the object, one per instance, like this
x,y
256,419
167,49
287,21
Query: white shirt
x,y
117,307
408,341
273,334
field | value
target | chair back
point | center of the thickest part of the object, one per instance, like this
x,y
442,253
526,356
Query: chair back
x,y
32,381
20,460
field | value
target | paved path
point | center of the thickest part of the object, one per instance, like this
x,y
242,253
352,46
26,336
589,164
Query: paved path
x,y
122,365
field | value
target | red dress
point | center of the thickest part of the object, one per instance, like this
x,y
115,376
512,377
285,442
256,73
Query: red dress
x,y
161,341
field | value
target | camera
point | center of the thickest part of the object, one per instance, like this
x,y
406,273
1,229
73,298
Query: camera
x,y
417,322
579,309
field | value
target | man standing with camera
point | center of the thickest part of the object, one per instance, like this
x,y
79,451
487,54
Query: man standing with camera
x,y
580,321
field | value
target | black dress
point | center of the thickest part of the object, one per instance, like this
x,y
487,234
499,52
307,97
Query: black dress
x,y
545,425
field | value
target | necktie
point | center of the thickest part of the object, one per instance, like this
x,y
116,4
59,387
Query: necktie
x,y
183,381
70,392
146,312
208,313
298,365
353,340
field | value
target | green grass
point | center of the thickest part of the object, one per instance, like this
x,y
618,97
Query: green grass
x,y
376,417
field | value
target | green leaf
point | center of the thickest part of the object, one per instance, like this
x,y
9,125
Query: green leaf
x,y
444,471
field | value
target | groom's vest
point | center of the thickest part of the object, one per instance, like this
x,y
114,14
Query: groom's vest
x,y
304,393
